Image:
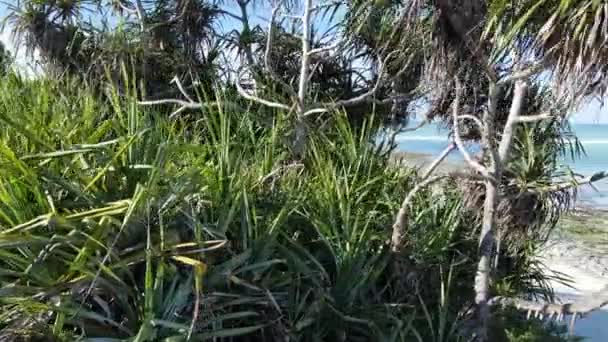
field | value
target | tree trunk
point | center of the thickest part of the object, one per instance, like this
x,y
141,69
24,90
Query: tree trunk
x,y
301,132
300,138
486,249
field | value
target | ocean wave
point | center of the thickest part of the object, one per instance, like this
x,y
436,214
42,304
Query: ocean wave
x,y
445,138
594,141
421,138
439,138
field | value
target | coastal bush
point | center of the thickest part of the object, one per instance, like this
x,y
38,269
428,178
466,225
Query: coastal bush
x,y
119,223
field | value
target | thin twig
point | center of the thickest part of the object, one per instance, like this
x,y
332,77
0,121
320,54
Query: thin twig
x,y
417,127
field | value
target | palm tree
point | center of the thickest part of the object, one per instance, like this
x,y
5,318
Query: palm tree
x,y
485,56
177,38
46,27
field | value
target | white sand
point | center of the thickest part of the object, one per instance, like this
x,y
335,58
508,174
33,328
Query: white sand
x,y
588,275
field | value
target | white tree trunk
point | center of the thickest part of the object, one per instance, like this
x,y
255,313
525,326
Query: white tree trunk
x,y
486,249
301,132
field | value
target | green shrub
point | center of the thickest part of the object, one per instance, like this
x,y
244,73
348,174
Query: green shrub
x,y
117,222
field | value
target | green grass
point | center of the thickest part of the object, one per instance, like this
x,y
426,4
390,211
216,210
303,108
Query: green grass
x,y
117,223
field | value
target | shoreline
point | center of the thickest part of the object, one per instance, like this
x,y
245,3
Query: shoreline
x,y
576,249
421,160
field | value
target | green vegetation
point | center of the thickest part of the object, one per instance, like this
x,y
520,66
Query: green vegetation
x,y
119,223
587,226
174,176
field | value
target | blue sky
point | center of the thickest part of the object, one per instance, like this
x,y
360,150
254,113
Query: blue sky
x,y
590,112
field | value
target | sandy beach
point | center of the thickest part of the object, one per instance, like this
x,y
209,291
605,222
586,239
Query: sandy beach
x,y
589,273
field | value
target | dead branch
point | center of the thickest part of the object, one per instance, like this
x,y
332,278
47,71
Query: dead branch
x,y
183,105
257,99
326,107
422,123
181,89
315,111
401,218
141,15
582,306
577,183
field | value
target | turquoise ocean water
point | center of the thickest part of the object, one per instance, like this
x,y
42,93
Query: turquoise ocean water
x,y
431,139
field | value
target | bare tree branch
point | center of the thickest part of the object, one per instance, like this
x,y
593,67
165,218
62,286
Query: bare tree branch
x,y
257,99
125,8
401,218
444,154
519,95
534,118
267,52
181,103
488,132
181,88
305,63
140,11
458,139
292,17
417,127
313,111
363,97
577,183
425,180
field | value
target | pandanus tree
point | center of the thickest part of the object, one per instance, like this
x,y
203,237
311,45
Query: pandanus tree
x,y
503,73
488,58
170,37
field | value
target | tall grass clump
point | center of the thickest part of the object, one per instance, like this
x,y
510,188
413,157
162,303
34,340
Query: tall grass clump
x,y
117,223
